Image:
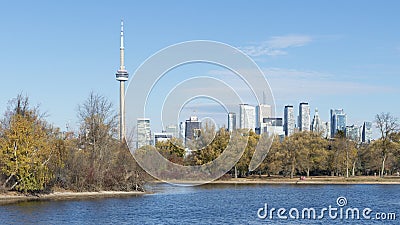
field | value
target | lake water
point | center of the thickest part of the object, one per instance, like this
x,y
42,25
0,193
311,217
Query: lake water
x,y
216,204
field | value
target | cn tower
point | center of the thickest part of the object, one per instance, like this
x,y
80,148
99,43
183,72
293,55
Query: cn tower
x,y
122,76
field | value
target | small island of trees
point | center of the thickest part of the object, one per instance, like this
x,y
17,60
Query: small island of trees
x,y
35,157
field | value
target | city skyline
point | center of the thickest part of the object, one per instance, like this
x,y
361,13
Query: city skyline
x,y
232,112
282,126
343,63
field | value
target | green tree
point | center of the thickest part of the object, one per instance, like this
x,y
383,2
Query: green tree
x,y
396,139
369,159
304,152
273,162
352,156
312,152
244,162
209,145
290,148
345,154
172,150
337,154
387,125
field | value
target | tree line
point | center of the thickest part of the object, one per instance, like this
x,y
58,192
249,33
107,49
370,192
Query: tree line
x,y
301,154
36,157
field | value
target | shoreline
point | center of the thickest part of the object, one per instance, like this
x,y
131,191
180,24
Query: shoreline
x,y
300,182
325,180
15,197
320,180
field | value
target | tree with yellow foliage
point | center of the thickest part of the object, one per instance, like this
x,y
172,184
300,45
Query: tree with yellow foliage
x,y
25,148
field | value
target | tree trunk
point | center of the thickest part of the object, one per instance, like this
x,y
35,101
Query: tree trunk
x,y
308,172
292,164
354,169
347,163
292,171
236,172
8,179
383,166
14,185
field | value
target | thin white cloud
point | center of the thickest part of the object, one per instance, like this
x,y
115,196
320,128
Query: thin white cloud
x,y
288,83
279,42
273,72
276,45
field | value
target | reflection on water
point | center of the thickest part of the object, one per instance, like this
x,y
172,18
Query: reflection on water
x,y
205,204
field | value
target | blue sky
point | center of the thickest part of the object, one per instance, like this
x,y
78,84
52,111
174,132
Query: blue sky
x,y
332,54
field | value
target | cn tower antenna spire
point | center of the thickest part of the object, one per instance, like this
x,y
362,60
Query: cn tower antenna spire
x,y
121,48
122,76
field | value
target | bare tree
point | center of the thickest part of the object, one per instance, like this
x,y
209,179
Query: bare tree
x,y
97,117
98,133
387,125
21,106
102,162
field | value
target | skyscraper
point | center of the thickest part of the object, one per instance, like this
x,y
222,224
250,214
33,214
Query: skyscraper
x,y
316,125
182,130
263,111
288,118
273,126
319,126
143,132
304,117
367,132
173,129
338,121
247,117
192,128
353,133
231,121
326,130
122,76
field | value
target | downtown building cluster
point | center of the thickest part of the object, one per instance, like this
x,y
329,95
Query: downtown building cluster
x,y
260,119
188,130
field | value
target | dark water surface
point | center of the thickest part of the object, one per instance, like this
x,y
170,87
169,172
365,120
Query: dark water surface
x,y
213,204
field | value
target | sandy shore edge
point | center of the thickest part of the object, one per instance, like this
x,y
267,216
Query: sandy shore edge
x,y
300,182
324,181
13,197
